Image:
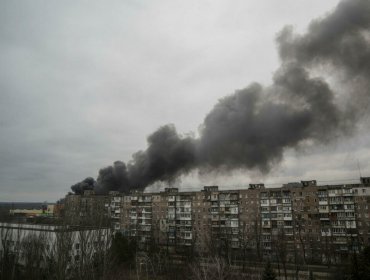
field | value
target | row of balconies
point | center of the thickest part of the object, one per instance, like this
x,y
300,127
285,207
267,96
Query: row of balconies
x,y
183,228
144,228
183,218
144,217
183,210
184,198
185,235
145,200
183,242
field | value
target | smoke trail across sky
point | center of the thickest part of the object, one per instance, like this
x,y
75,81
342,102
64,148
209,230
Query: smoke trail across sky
x,y
254,126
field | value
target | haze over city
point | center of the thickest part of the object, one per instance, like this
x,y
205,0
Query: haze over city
x,y
83,84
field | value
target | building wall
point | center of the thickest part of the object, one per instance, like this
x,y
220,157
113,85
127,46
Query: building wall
x,y
86,209
362,204
300,218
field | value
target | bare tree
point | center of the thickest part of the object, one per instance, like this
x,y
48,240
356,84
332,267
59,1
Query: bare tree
x,y
33,248
60,253
214,269
280,246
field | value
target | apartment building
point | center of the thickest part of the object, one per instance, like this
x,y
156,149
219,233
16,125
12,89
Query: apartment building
x,y
304,218
337,219
159,218
86,209
223,219
136,221
201,219
250,227
114,205
276,218
361,196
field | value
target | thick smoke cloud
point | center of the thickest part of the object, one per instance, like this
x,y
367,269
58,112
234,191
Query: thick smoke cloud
x,y
113,178
254,126
341,40
167,156
88,184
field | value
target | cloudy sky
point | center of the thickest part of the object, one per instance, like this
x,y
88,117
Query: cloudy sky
x,y
83,83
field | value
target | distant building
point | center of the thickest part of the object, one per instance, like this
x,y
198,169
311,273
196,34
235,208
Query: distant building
x,y
46,210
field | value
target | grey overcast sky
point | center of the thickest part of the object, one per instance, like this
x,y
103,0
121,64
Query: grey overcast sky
x,y
83,83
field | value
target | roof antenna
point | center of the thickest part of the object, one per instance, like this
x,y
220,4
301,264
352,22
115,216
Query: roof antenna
x,y
359,168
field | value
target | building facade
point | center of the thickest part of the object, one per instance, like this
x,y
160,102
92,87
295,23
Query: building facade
x,y
316,222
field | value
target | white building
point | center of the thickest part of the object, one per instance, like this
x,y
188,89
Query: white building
x,y
53,241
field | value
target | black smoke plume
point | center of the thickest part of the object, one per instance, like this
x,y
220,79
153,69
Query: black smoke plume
x,y
88,184
254,126
113,178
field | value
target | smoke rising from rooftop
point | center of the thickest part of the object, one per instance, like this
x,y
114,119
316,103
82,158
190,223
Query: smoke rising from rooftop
x,y
254,126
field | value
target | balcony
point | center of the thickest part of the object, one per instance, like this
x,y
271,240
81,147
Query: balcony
x,y
272,201
335,210
265,203
325,234
145,228
339,234
340,241
334,195
348,202
141,200
348,194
